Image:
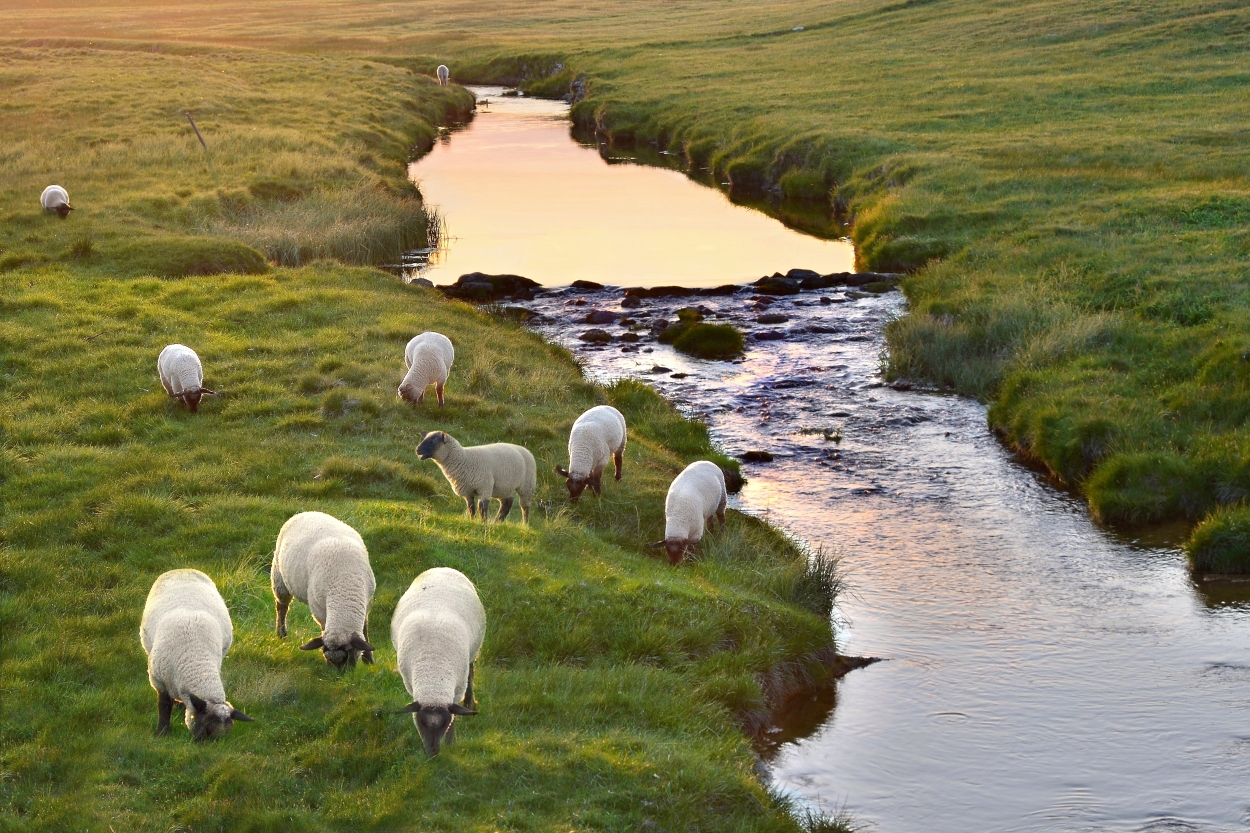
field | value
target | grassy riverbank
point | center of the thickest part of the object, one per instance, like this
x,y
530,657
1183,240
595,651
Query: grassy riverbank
x,y
1065,178
614,688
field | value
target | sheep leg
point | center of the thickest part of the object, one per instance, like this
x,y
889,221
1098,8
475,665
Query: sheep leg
x,y
438,389
596,481
420,397
505,506
483,506
164,708
618,459
472,507
720,513
468,702
525,510
281,600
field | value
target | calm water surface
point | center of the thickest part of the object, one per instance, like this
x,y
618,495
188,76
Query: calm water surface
x,y
1042,674
520,197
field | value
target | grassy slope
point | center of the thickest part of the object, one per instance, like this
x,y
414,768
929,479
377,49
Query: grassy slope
x,y
1067,176
612,686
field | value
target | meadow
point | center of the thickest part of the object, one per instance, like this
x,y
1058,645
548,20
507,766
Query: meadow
x,y
616,692
1063,179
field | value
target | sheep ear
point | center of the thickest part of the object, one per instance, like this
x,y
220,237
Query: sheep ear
x,y
411,708
235,714
655,546
560,470
366,657
456,708
315,642
207,392
198,704
359,643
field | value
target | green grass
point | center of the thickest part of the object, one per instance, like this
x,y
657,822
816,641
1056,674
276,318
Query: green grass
x,y
707,341
1218,545
306,158
613,687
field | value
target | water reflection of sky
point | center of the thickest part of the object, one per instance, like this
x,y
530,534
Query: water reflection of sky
x,y
519,197
1042,674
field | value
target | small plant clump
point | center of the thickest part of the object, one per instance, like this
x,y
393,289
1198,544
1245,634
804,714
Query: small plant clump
x,y
706,341
1221,543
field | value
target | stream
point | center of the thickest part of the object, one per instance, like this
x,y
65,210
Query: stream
x,y
1041,672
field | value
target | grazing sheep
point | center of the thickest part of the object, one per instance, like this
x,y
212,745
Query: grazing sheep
x,y
694,497
481,472
598,434
54,198
182,375
323,562
186,633
443,74
437,632
428,358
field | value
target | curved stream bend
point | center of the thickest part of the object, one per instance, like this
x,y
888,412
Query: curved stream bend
x,y
1044,674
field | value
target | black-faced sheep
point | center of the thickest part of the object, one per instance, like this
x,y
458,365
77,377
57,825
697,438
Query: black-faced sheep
x,y
428,358
597,436
444,74
55,198
482,472
694,497
323,562
182,375
437,631
186,633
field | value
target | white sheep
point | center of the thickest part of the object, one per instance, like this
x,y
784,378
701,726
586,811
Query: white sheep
x,y
481,472
694,497
597,436
182,375
437,632
55,198
428,358
323,562
444,74
186,633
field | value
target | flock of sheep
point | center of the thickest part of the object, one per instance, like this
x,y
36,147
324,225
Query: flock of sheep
x,y
439,624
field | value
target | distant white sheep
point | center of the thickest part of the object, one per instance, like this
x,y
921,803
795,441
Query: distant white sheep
x,y
694,497
444,74
323,562
55,198
182,375
597,436
428,358
437,632
482,472
186,633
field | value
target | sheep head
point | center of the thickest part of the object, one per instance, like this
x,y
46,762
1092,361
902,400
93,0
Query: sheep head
x,y
434,722
192,398
339,653
409,393
64,209
430,444
210,721
576,485
677,548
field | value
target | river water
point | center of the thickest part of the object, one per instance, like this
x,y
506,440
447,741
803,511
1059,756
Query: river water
x,y
1041,673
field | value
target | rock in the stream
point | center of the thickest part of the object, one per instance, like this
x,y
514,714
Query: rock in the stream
x,y
629,338
734,481
777,285
659,368
802,274
631,302
588,286
756,457
660,292
772,318
422,282
601,316
482,288
724,289
596,336
769,335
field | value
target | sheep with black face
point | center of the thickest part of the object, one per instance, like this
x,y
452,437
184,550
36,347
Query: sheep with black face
x,y
186,632
597,436
695,496
323,562
437,631
182,375
481,472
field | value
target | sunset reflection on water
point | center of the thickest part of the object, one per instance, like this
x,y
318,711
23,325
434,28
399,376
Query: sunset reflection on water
x,y
519,197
